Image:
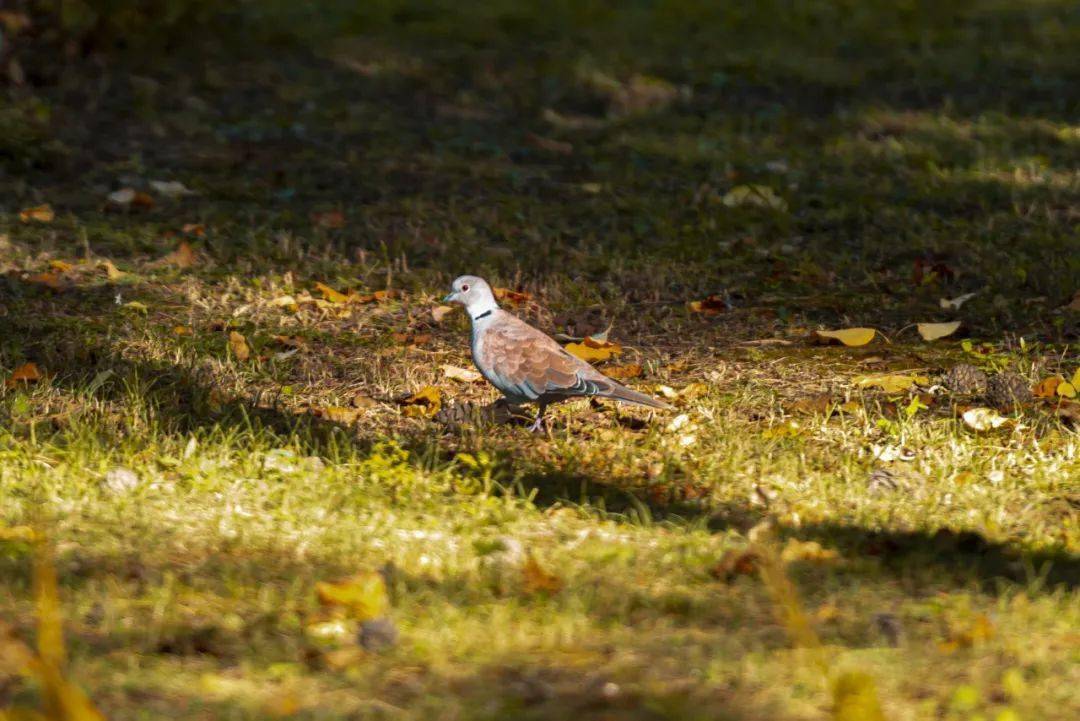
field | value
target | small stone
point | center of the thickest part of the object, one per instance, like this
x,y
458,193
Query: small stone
x,y
378,634
121,480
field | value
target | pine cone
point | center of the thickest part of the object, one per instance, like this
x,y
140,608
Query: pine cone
x,y
1008,390
964,378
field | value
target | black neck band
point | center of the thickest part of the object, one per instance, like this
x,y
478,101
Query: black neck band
x,y
485,314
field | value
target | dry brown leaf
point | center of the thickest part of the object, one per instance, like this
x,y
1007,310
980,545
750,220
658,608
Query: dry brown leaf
x,y
550,145
734,563
425,403
623,372
513,297
465,375
239,347
331,219
592,350
49,280
852,337
439,312
26,373
197,230
713,305
338,414
411,339
813,405
537,580
1047,387
933,331
127,198
290,341
38,213
183,257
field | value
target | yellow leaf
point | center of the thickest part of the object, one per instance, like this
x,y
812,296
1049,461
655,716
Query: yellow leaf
x,y
855,698
61,266
811,551
983,419
438,312
591,350
537,580
111,271
136,307
625,372
889,382
760,196
1066,390
933,331
1075,380
39,213
362,597
182,330
425,403
330,294
26,373
239,347
461,374
338,414
284,301
849,336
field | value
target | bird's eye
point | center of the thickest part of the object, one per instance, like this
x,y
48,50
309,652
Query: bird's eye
x,y
464,289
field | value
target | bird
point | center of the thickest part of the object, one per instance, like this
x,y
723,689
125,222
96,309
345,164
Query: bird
x,y
526,365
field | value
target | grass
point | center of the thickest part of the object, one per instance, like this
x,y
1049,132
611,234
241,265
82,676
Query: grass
x,y
193,500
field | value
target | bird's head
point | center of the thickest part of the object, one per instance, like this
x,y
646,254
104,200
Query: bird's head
x,y
474,293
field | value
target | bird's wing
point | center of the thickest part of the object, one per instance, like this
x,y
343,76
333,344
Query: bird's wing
x,y
520,360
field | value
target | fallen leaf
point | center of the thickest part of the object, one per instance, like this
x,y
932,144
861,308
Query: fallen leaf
x,y
852,337
183,257
49,280
439,312
980,630
290,341
549,145
955,303
933,331
1047,387
983,419
196,229
809,551
330,294
461,374
239,347
38,213
1067,389
734,563
889,382
412,339
338,414
26,373
623,372
361,597
760,196
713,305
817,404
331,219
126,198
537,580
171,188
136,307
182,330
425,403
592,350
111,271
284,301
513,297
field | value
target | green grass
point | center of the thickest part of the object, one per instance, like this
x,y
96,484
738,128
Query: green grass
x,y
896,135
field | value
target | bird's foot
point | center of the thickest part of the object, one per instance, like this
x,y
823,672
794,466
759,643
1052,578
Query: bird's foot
x,y
537,425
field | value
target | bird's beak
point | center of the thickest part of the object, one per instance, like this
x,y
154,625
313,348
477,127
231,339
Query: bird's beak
x,y
450,298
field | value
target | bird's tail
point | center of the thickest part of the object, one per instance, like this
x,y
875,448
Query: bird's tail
x,y
626,395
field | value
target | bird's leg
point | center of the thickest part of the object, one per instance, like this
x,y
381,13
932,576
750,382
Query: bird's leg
x,y
538,424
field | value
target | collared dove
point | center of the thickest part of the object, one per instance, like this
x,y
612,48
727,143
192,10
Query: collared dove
x,y
523,363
